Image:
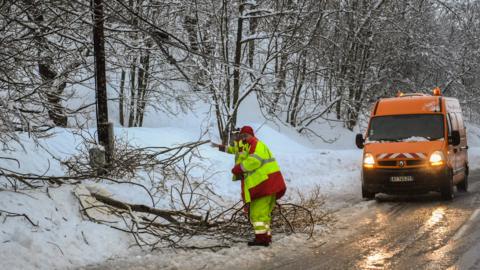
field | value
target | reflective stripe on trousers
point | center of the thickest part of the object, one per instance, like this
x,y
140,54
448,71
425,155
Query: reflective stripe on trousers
x,y
261,227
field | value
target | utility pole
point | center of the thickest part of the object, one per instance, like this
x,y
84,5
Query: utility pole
x,y
104,128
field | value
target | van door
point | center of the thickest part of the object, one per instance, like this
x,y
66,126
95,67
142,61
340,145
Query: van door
x,y
456,161
463,155
451,149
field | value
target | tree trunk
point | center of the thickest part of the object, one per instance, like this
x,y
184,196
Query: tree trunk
x,y
360,83
104,135
190,22
140,88
56,112
145,62
131,114
55,109
296,103
225,50
121,99
281,77
251,44
236,71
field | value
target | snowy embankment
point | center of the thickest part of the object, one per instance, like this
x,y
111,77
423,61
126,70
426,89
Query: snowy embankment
x,y
60,238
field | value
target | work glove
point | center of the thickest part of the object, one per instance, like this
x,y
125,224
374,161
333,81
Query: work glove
x,y
246,209
237,170
237,177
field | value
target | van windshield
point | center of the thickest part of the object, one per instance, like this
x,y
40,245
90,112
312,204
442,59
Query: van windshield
x,y
412,127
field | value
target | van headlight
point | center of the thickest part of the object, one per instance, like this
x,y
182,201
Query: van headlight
x,y
437,158
368,160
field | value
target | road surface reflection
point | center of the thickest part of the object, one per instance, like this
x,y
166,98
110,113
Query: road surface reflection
x,y
380,257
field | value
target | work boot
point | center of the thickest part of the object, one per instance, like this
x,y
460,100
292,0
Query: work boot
x,y
260,240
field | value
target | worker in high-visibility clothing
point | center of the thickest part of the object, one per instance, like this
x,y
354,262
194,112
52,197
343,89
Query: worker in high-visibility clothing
x,y
262,183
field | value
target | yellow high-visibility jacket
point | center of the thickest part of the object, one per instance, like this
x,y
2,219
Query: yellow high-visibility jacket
x,y
261,172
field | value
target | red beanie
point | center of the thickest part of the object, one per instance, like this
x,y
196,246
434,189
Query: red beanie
x,y
247,130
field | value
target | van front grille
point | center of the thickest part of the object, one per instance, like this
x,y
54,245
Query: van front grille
x,y
394,163
387,163
416,162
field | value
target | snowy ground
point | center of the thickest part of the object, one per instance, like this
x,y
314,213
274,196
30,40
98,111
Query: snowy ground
x,y
63,239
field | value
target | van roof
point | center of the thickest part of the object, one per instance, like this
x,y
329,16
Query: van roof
x,y
408,104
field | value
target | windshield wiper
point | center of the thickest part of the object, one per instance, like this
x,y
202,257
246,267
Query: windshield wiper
x,y
406,138
387,140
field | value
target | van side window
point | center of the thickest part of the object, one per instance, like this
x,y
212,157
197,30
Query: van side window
x,y
449,125
454,121
461,125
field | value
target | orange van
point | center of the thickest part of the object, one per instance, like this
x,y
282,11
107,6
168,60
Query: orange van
x,y
415,143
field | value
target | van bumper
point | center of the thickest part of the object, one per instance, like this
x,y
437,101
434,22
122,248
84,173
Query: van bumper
x,y
426,179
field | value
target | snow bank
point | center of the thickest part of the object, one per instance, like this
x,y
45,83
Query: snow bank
x,y
474,158
473,137
59,238
63,239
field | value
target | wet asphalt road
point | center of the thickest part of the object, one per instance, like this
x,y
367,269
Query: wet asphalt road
x,y
420,232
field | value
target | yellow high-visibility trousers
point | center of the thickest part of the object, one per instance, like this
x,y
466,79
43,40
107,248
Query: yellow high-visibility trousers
x,y
261,214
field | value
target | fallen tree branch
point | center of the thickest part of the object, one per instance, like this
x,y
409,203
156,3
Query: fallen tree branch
x,y
165,214
11,214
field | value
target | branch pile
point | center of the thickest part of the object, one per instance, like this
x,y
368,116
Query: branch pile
x,y
199,228
127,159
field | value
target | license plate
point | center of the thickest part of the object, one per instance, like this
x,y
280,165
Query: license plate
x,y
403,178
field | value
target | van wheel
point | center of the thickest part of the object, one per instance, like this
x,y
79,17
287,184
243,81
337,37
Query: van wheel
x,y
447,191
463,186
367,194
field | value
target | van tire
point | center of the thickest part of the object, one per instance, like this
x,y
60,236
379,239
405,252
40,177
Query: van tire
x,y
463,186
367,194
447,191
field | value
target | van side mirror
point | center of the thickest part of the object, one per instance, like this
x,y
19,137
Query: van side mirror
x,y
359,141
454,139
